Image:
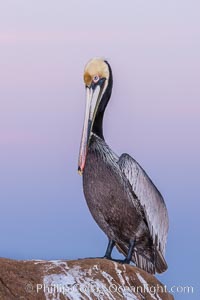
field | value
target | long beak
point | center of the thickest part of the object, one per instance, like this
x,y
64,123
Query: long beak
x,y
93,98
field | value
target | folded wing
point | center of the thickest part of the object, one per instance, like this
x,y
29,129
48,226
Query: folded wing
x,y
153,205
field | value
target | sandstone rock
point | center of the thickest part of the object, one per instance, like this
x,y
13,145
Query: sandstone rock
x,y
77,279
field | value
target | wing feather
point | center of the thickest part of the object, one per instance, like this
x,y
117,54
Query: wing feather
x,y
154,207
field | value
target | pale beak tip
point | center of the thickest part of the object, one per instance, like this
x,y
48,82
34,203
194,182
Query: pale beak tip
x,y
80,171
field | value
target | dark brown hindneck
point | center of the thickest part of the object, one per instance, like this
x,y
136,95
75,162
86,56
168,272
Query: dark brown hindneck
x,y
98,122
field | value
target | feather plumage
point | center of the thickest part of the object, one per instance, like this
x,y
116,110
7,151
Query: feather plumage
x,y
152,203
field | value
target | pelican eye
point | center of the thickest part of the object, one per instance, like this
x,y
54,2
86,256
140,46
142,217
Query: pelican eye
x,y
95,78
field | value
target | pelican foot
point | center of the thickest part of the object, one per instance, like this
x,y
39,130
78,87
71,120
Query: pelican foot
x,y
107,257
121,261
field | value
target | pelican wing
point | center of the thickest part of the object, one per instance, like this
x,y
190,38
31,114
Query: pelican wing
x,y
154,207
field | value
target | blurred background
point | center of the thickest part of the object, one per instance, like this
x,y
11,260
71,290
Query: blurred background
x,y
154,115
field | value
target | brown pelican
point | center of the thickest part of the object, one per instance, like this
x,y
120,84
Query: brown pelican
x,y
121,197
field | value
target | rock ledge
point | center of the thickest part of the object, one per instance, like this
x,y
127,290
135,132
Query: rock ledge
x,y
77,279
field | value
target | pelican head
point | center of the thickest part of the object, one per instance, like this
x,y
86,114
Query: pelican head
x,y
98,83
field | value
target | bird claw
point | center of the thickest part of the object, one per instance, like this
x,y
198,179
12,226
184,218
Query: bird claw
x,y
121,261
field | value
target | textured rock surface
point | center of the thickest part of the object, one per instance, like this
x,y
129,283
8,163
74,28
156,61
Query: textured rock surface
x,y
77,279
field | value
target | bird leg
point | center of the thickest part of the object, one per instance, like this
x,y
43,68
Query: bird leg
x,y
109,249
128,258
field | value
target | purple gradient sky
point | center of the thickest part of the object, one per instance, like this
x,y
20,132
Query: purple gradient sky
x,y
154,115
